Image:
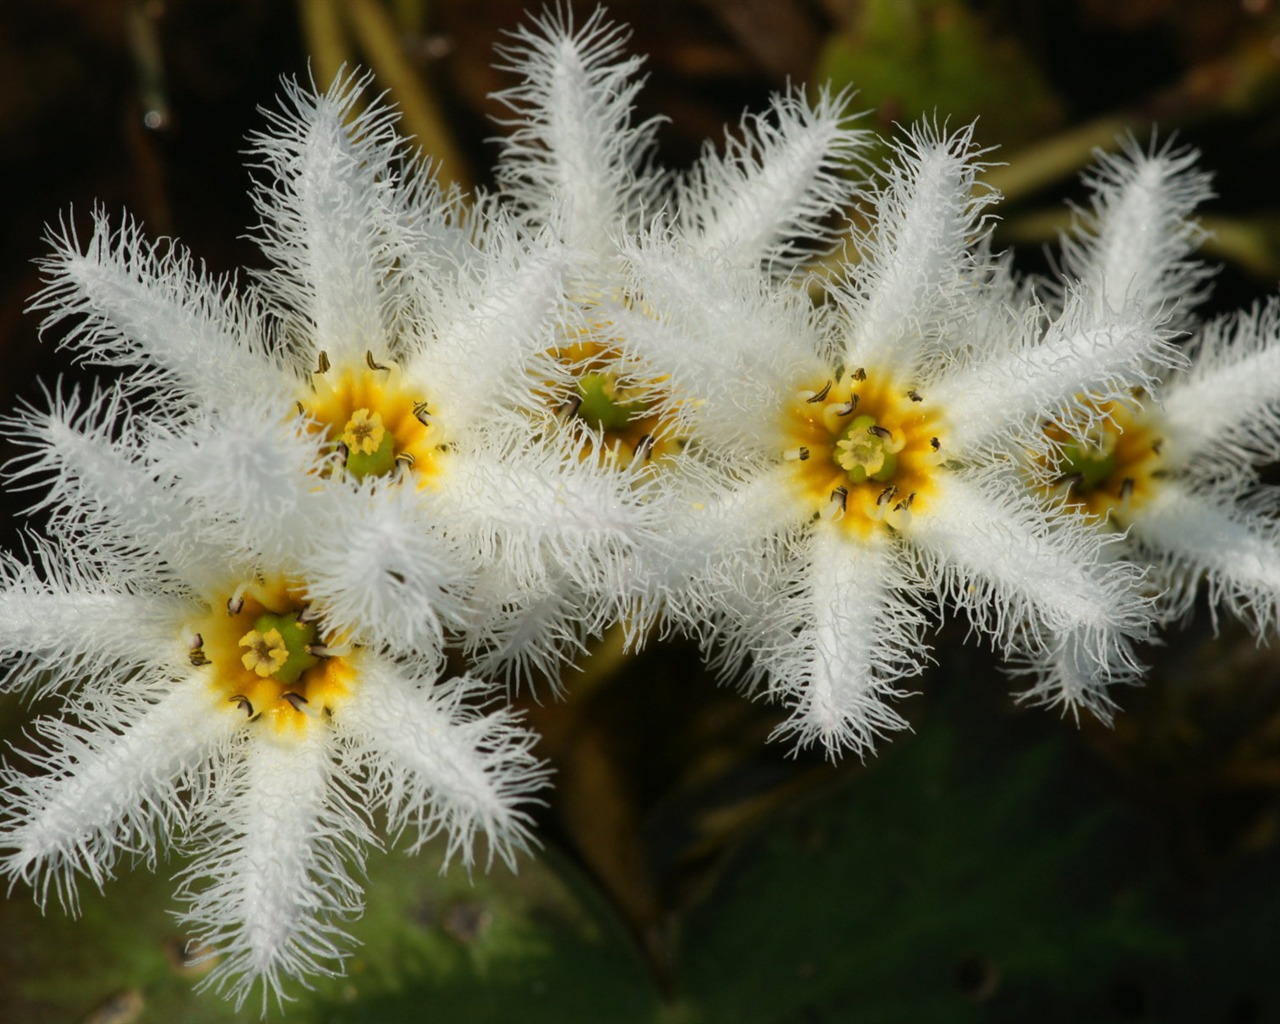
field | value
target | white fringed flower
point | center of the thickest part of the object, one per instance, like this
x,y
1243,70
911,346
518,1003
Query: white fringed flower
x,y
862,456
1173,471
575,165
267,530
1134,244
218,701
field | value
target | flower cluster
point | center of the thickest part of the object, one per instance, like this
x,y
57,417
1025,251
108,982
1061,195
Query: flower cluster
x,y
443,432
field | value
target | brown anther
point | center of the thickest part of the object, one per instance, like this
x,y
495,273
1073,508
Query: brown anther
x,y
296,700
302,409
887,495
320,650
820,395
1069,481
570,406
1157,444
322,362
859,374
905,504
841,497
198,657
881,432
802,453
1126,488
848,407
372,363
914,395
644,447
341,453
243,703
406,458
934,443
235,604
421,415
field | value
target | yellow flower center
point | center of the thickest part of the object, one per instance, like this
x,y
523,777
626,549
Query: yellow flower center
x,y
1115,469
267,661
373,421
865,450
619,408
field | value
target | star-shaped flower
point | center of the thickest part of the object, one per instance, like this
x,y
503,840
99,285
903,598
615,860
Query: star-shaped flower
x,y
858,460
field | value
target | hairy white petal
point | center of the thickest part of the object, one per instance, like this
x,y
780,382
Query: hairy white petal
x,y
1010,565
440,764
1226,407
574,160
272,884
1134,244
851,633
919,258
131,302
767,199
1191,533
1078,357
472,352
60,632
321,209
380,569
105,786
1070,672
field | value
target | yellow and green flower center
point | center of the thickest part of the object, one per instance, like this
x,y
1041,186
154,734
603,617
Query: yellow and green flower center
x,y
865,450
267,660
1113,470
619,409
373,421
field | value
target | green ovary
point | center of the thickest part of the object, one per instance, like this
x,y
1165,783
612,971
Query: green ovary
x,y
277,646
601,404
1091,465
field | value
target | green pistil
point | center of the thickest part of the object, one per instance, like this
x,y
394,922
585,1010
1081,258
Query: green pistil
x,y
297,637
600,404
863,455
1088,466
379,462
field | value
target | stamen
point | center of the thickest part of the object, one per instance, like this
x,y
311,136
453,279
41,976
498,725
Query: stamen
x,y
322,651
800,454
235,603
421,415
819,395
859,375
196,652
887,495
644,447
935,444
243,703
406,458
1126,489
915,395
880,432
1070,481
570,406
840,496
372,364
295,699
322,362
